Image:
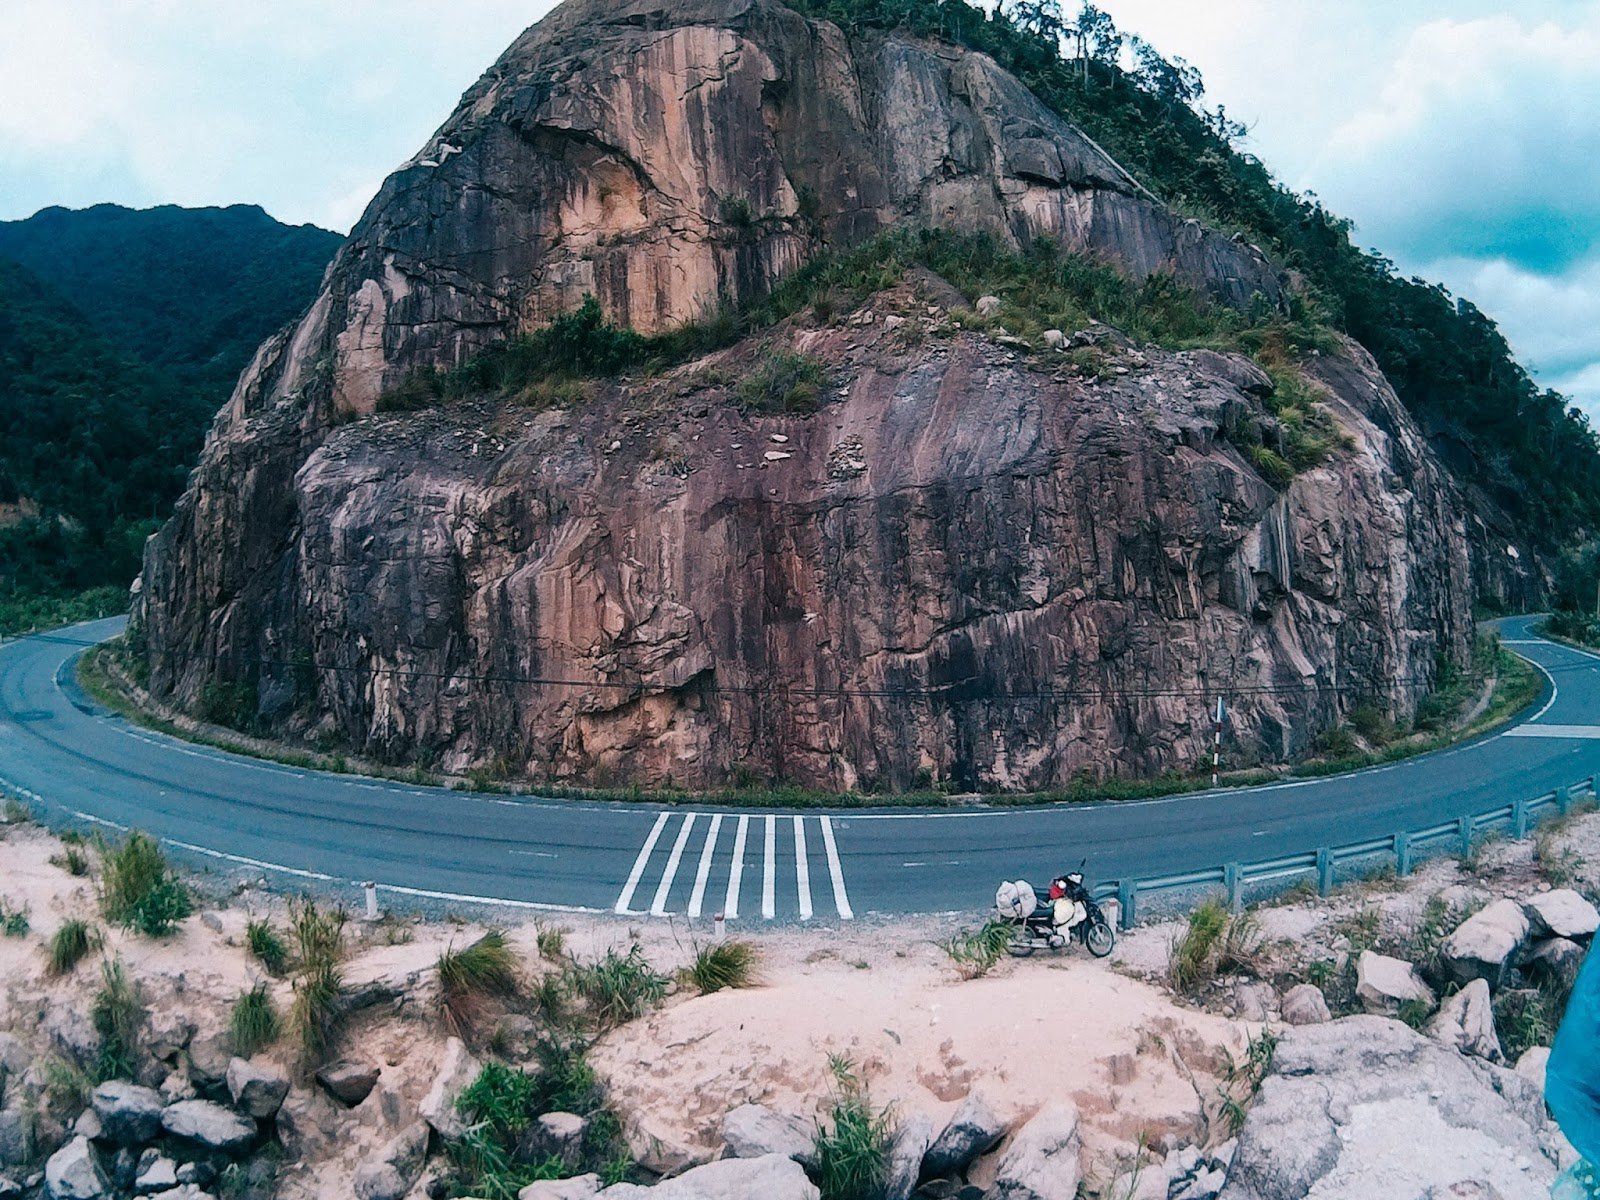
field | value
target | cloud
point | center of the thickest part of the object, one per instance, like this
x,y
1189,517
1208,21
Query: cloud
x,y
1480,143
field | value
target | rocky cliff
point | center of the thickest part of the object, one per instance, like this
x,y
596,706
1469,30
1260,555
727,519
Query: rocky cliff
x,y
973,564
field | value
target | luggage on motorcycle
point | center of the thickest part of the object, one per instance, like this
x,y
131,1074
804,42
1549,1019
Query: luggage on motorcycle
x,y
1015,899
1067,914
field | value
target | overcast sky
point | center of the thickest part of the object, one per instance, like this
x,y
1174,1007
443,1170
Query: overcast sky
x,y
1460,135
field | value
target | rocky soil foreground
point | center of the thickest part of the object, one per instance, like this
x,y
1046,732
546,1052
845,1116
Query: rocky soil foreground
x,y
976,563
1041,1080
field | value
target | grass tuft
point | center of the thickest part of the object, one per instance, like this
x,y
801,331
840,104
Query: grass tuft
x,y
721,965
470,976
118,1014
317,1011
72,860
266,946
69,944
254,1022
1194,953
852,1147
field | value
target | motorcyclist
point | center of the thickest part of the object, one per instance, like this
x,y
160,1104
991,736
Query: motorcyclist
x,y
1572,1083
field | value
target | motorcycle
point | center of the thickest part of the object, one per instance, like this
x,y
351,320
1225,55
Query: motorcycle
x,y
1050,924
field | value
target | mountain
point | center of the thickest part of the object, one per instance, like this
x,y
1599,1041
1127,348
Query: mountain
x,y
120,331
730,393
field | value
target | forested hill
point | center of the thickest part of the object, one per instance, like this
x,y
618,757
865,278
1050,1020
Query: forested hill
x,y
1523,447
189,291
121,334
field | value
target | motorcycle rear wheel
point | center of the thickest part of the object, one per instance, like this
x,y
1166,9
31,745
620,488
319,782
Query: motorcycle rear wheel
x,y
1099,938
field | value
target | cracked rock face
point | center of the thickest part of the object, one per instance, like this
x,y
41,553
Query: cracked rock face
x,y
972,565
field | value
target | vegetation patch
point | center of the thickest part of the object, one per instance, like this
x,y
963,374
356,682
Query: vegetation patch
x,y
118,1015
266,945
318,1008
254,1021
473,975
618,988
852,1144
730,964
976,952
69,944
138,890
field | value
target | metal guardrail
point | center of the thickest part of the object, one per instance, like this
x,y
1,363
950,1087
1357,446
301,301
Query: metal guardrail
x,y
1405,846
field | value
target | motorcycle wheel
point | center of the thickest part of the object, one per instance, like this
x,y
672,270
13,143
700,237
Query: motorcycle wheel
x,y
1099,938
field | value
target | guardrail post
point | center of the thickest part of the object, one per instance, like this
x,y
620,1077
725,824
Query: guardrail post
x,y
1402,854
1230,879
1324,871
1519,818
1563,800
1127,892
1465,826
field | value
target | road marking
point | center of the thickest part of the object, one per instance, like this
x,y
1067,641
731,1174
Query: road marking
x,y
802,868
841,900
638,866
697,897
1580,732
534,854
658,907
769,881
730,906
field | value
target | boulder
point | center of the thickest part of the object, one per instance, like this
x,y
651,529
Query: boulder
x,y
1465,1022
987,306
1042,1160
556,1135
350,1082
1304,1004
1054,339
167,1035
73,1173
1207,1184
10,1189
1561,913
396,1169
906,1150
1146,1182
209,1055
754,1131
14,1058
184,1191
1558,959
1383,984
1532,1064
156,1173
579,1187
655,1146
88,1125
16,1136
1485,944
257,1091
456,1071
130,1115
973,1130
775,1177
1366,1107
209,1125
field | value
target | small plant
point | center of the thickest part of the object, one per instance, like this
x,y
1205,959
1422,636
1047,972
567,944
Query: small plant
x,y
1241,948
1361,928
1528,1017
618,987
552,943
722,965
470,976
976,952
852,1148
1476,860
17,813
1241,1081
1414,1013
69,944
266,946
138,890
72,860
254,1022
318,1006
1194,952
500,1104
66,1088
14,923
118,1013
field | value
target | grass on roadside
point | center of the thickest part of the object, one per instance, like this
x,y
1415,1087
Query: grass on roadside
x,y
118,1014
976,952
730,964
69,944
618,988
254,1021
470,977
266,945
852,1145
318,1009
138,890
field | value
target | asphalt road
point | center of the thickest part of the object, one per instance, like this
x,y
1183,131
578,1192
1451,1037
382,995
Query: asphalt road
x,y
59,749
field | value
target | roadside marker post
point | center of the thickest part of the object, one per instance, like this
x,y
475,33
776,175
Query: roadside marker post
x,y
1402,854
1231,877
1519,818
1324,871
1465,826
371,890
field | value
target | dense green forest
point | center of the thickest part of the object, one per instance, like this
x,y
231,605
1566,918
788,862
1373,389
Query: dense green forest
x,y
121,334
1525,447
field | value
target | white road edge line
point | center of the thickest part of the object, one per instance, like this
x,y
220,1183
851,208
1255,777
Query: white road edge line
x,y
638,867
697,897
1548,704
658,906
841,900
802,868
769,883
730,905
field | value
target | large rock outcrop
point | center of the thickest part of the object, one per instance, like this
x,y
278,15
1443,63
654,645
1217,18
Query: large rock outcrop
x,y
972,565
